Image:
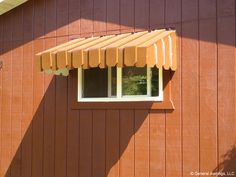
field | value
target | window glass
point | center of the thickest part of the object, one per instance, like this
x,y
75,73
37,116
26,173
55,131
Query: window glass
x,y
113,81
155,81
134,81
95,82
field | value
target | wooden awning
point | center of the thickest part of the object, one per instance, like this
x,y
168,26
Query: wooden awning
x,y
154,48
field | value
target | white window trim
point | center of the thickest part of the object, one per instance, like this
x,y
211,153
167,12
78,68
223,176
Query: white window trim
x,y
119,97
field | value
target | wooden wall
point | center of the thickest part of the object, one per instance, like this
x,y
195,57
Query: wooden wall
x,y
40,136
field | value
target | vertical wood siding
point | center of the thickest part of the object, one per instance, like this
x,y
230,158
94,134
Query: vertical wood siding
x,y
40,136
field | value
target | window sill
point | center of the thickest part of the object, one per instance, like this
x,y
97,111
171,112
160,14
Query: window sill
x,y
124,105
153,105
123,99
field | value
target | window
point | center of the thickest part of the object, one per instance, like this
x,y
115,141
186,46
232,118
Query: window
x,y
120,84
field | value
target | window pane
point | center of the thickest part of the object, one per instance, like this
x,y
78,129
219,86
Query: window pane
x,y
134,81
95,83
155,82
113,81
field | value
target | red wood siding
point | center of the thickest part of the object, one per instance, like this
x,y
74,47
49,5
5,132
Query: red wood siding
x,y
41,136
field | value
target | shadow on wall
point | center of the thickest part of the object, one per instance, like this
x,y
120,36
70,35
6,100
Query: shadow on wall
x,y
228,165
78,142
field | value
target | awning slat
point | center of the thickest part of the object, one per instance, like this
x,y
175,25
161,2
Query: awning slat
x,y
174,52
112,51
64,57
95,51
80,54
155,48
167,53
160,54
130,51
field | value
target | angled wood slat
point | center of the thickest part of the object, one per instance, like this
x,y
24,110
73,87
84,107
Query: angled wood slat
x,y
130,49
64,57
112,53
80,56
95,55
46,57
146,51
155,48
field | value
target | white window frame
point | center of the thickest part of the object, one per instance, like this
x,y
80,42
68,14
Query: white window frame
x,y
119,97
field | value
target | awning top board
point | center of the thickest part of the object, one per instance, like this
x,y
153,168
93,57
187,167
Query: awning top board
x,y
155,49
7,5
